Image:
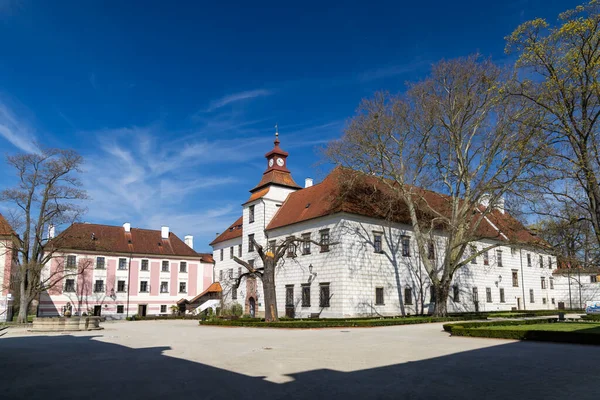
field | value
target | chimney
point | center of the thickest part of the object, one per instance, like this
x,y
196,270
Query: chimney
x,y
500,205
308,182
127,227
189,240
164,232
51,231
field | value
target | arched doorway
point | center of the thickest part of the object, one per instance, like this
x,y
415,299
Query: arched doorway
x,y
252,307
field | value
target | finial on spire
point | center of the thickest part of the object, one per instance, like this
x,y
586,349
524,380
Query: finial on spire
x,y
276,135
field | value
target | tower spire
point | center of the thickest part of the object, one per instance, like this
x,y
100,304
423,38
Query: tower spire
x,y
276,135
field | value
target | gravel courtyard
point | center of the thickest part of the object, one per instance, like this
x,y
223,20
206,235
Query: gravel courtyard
x,y
179,359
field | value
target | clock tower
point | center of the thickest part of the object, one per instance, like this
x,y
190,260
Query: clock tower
x,y
277,172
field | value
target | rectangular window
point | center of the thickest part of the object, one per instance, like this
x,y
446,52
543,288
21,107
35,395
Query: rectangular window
x,y
250,214
163,308
408,296
120,309
488,295
289,295
122,263
377,242
543,282
273,246
305,295
324,240
182,287
239,251
120,286
549,262
551,283
220,275
230,273
553,301
324,295
502,295
306,243
499,257
165,266
221,254
379,296
456,293
182,266
99,286
541,262
231,253
528,260
164,287
531,297
405,246
234,293
71,261
144,265
475,295
143,286
486,258
291,247
544,300
431,250
251,243
473,252
593,278
515,278
70,285
100,262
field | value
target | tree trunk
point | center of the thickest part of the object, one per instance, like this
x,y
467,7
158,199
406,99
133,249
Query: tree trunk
x,y
268,281
442,291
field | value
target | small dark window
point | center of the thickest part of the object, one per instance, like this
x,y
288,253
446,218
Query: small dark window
x,y
432,294
593,278
528,260
488,295
183,266
122,263
475,295
289,295
306,243
379,296
553,301
231,252
324,295
250,243
456,293
234,293
100,262
405,246
502,295
408,296
291,247
239,251
324,240
549,262
551,283
120,309
377,243
515,278
486,258
273,246
120,286
71,261
221,255
182,287
431,250
305,295
163,308
541,262
143,286
473,252
531,297
250,214
70,285
164,287
165,266
544,300
543,282
499,257
220,275
99,286
144,265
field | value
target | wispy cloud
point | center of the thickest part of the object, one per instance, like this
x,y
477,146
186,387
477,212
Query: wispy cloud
x,y
16,131
392,70
235,97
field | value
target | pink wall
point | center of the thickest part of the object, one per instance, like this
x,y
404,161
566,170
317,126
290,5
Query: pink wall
x,y
55,264
8,264
193,279
111,276
133,278
85,285
174,281
208,275
154,278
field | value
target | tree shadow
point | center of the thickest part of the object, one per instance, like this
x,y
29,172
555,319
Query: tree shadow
x,y
73,367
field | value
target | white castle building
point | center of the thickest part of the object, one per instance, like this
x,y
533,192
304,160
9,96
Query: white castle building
x,y
373,268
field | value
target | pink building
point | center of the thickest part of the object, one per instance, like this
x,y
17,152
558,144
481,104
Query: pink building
x,y
119,271
7,261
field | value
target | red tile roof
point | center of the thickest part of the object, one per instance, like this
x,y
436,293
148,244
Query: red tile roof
x,y
234,231
5,228
214,287
114,239
276,177
364,195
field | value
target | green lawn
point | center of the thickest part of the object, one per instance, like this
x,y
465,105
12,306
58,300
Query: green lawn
x,y
554,327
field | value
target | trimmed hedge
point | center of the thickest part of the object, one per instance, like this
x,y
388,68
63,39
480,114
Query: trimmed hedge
x,y
591,317
475,330
328,323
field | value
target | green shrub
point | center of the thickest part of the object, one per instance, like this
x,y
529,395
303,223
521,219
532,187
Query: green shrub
x,y
237,310
327,323
591,317
450,327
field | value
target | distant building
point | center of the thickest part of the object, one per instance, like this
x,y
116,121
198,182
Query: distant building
x,y
574,286
122,271
374,269
7,263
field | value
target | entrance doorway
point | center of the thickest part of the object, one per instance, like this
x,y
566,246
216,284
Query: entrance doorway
x,y
518,303
252,306
142,308
97,311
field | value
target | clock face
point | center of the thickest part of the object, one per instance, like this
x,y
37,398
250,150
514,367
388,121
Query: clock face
x,y
280,162
271,162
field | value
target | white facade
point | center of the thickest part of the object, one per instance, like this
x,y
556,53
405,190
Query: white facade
x,y
574,288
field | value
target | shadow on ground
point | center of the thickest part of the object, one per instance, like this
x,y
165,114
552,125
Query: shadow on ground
x,y
75,367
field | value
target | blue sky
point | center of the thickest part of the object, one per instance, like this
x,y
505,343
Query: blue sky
x,y
173,104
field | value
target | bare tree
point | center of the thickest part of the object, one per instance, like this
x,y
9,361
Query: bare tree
x,y
560,70
455,132
47,195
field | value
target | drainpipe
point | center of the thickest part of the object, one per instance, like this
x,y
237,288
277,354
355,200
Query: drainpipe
x,y
128,283
522,278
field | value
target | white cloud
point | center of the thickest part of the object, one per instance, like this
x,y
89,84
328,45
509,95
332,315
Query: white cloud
x,y
393,70
235,97
16,130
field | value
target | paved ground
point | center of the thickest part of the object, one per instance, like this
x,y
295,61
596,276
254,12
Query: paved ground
x,y
179,359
